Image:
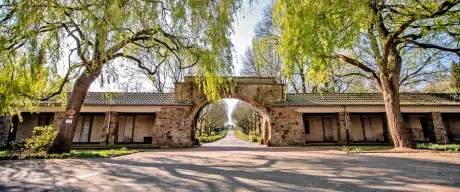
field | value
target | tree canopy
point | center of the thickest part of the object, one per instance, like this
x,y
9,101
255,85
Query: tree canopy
x,y
84,38
322,31
87,34
384,39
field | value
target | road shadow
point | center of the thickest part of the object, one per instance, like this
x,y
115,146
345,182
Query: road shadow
x,y
233,172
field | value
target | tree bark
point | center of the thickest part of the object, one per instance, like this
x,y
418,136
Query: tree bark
x,y
389,78
401,136
63,140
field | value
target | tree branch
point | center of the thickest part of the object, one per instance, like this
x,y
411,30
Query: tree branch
x,y
363,67
432,46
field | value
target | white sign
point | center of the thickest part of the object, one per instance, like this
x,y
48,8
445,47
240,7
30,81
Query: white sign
x,y
68,121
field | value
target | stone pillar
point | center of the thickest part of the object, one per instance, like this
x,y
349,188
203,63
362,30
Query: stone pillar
x,y
4,129
112,126
265,130
439,128
58,118
344,124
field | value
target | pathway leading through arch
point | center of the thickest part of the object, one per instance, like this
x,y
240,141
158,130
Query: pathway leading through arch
x,y
230,142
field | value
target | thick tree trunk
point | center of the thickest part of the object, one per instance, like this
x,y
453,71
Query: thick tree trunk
x,y
402,138
455,76
63,140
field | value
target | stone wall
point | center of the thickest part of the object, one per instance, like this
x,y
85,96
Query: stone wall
x,y
110,123
258,92
173,127
286,127
344,122
439,128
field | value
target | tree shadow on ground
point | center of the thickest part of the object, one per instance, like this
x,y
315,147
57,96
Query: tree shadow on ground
x,y
358,174
241,170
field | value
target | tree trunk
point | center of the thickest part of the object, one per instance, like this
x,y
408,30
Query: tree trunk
x,y
455,76
401,136
63,140
389,77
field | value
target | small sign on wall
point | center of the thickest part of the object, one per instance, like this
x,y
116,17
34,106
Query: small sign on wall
x,y
68,121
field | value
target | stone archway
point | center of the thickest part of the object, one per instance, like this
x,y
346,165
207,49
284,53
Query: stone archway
x,y
259,92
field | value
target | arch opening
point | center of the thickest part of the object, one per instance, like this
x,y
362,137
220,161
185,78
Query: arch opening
x,y
246,120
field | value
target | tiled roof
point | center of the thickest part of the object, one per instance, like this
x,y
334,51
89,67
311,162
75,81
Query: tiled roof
x,y
129,99
362,99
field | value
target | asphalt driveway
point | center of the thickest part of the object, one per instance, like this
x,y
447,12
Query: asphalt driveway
x,y
234,165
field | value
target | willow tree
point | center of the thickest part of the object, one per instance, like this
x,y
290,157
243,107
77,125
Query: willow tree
x,y
96,33
392,31
25,79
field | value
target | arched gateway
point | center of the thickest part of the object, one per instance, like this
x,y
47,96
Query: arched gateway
x,y
168,119
259,92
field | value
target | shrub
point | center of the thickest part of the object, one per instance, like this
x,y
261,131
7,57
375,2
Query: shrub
x,y
440,147
41,139
213,137
357,149
345,149
251,137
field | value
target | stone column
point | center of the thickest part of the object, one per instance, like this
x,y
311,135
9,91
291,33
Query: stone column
x,y
112,126
439,128
344,124
4,129
265,130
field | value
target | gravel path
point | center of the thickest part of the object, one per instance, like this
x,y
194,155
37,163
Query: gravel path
x,y
233,165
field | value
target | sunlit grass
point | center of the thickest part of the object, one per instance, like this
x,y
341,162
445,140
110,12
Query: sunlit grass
x,y
72,154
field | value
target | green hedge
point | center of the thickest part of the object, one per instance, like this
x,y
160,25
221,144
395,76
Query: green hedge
x,y
245,137
441,147
213,137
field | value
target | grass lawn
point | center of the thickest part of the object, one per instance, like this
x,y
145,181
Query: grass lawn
x,y
7,155
378,148
361,148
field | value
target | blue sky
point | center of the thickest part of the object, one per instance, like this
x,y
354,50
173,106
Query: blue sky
x,y
244,29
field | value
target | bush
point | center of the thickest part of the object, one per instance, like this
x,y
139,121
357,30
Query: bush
x,y
213,137
357,149
41,140
252,137
440,147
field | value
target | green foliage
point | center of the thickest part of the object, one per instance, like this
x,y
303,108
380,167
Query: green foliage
x,y
251,137
357,149
345,149
316,33
41,140
3,154
22,83
203,138
41,39
440,147
361,148
315,29
72,154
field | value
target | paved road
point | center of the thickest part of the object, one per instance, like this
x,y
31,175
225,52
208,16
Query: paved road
x,y
233,165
